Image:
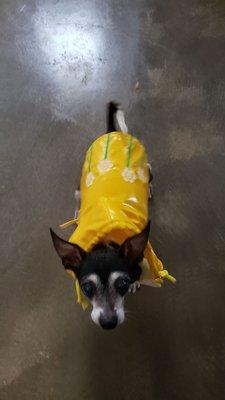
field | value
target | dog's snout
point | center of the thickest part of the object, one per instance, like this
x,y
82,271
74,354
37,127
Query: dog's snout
x,y
108,322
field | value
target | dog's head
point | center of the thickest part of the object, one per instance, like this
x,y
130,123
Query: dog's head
x,y
105,273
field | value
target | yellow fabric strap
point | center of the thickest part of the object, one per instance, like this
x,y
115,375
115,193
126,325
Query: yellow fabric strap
x,y
164,274
80,297
68,223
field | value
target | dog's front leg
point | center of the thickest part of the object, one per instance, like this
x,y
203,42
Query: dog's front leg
x,y
134,287
77,202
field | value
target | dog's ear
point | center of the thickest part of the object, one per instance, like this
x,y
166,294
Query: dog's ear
x,y
70,253
134,246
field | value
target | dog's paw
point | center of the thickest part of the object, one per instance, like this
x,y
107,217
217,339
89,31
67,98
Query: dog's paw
x,y
134,287
76,213
150,191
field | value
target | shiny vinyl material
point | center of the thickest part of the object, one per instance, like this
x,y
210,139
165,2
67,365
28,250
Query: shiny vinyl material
x,y
114,200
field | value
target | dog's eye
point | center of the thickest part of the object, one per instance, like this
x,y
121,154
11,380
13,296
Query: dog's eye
x,y
122,285
88,289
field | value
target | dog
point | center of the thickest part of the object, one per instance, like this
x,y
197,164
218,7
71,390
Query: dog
x,y
109,253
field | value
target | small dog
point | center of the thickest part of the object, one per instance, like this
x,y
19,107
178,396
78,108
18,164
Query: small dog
x,y
105,253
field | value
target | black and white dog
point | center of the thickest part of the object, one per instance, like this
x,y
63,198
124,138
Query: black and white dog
x,y
109,271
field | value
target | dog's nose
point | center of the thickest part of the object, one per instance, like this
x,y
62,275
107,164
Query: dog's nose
x,y
108,323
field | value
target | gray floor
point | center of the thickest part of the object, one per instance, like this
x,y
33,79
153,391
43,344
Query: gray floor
x,y
60,63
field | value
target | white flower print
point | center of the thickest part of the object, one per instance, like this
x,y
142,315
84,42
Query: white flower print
x,y
89,179
142,175
105,165
128,175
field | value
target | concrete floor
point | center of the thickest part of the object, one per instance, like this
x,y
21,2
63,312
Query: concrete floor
x,y
60,63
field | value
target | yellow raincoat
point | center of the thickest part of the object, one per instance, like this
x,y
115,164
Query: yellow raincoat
x,y
114,201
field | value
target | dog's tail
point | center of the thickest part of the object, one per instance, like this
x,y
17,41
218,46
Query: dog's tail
x,y
115,111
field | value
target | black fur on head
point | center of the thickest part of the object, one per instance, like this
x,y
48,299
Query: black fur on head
x,y
104,259
105,273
